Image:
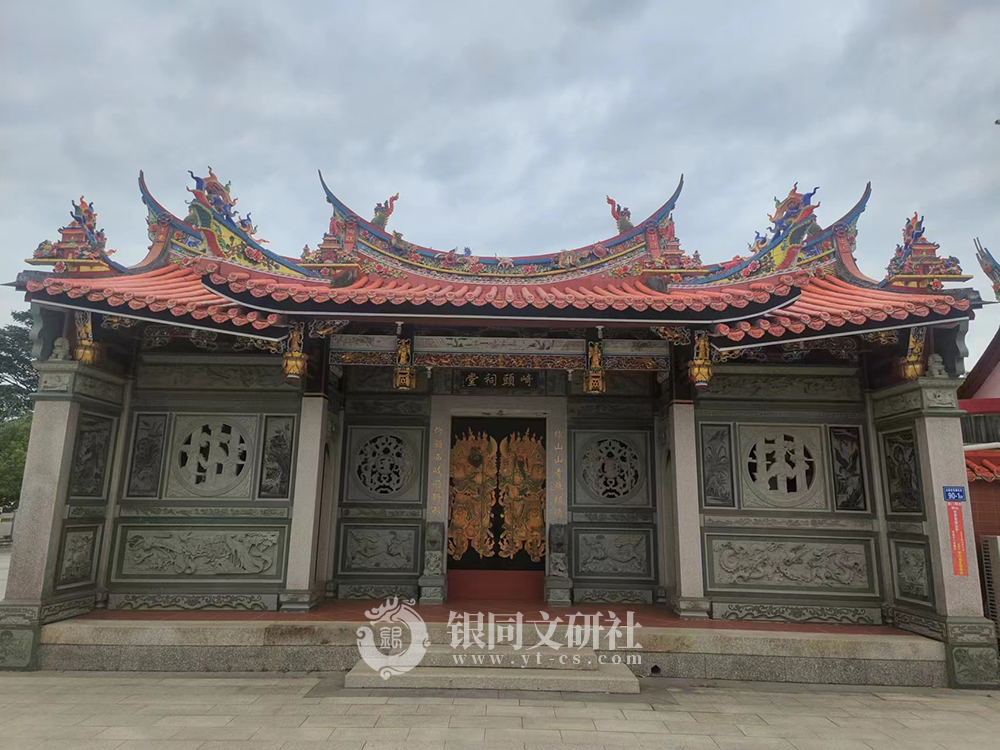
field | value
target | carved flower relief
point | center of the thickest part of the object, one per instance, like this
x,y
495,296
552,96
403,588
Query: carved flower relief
x,y
78,557
384,465
276,465
717,465
611,469
789,564
911,572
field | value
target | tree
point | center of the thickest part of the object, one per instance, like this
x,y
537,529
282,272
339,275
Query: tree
x,y
18,379
13,449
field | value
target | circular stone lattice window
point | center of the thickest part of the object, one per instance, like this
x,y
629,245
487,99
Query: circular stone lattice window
x,y
213,458
611,469
781,468
384,465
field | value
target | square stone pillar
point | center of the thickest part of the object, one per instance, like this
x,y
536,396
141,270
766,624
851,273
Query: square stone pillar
x,y
302,591
688,596
933,557
60,521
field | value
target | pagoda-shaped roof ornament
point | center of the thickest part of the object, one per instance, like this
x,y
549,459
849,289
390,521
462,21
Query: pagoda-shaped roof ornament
x,y
916,266
81,246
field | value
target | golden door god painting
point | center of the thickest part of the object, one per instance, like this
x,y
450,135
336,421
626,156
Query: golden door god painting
x,y
497,508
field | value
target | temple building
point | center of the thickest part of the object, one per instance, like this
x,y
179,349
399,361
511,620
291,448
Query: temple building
x,y
772,437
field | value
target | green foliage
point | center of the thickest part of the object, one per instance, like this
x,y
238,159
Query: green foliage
x,y
18,379
13,448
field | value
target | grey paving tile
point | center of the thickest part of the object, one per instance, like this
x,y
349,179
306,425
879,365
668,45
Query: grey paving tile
x,y
315,734
160,745
752,743
137,733
229,733
442,734
193,720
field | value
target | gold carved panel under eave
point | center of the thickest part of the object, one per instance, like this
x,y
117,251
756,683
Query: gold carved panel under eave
x,y
521,492
473,483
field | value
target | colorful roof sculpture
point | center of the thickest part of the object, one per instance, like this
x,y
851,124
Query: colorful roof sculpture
x,y
210,269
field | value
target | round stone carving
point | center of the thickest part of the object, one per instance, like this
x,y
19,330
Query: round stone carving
x,y
781,468
612,469
213,457
384,465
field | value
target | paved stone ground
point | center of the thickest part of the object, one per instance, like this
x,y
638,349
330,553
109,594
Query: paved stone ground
x,y
76,711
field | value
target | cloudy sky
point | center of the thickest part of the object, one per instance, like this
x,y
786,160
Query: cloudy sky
x,y
503,124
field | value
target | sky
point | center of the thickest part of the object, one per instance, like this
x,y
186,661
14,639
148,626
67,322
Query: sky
x,y
503,125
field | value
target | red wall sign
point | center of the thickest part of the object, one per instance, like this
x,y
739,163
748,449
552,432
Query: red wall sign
x,y
956,528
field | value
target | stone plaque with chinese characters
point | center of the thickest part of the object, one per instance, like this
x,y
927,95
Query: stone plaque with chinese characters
x,y
502,380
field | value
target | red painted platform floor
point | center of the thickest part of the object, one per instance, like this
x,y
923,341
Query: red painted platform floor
x,y
354,611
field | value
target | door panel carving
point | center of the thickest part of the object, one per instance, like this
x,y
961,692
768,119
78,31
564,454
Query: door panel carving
x,y
473,487
522,495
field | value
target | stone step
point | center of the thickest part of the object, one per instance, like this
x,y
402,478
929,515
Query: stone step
x,y
507,657
607,678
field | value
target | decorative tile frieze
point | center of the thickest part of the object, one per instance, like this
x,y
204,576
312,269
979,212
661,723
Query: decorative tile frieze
x,y
905,527
243,602
208,552
814,565
86,511
376,591
64,609
796,613
360,511
613,596
780,387
89,473
632,515
788,522
612,553
199,511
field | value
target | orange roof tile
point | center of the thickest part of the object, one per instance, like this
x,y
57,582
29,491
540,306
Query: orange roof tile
x,y
982,465
831,303
174,289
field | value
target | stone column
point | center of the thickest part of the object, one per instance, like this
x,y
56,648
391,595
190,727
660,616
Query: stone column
x,y
688,597
935,585
302,591
433,581
53,567
558,580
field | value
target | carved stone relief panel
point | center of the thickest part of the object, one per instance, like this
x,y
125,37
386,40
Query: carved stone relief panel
x,y
244,375
718,488
847,468
208,552
902,472
15,647
781,387
384,464
145,465
276,459
811,565
781,467
91,457
76,557
611,467
911,571
613,553
371,548
212,456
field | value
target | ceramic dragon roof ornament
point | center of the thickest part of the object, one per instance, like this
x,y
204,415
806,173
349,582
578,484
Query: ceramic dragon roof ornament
x,y
621,215
383,211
